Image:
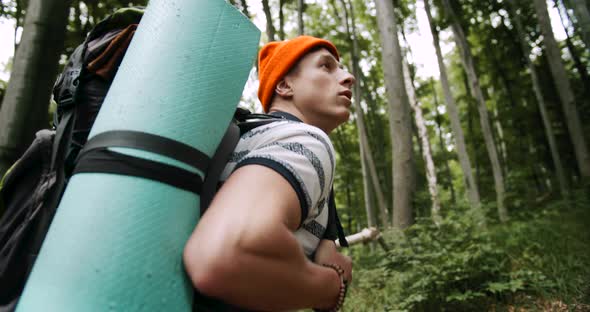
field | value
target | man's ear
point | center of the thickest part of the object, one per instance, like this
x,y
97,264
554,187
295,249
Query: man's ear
x,y
284,88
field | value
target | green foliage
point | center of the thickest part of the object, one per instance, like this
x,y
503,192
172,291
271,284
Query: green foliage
x,y
459,266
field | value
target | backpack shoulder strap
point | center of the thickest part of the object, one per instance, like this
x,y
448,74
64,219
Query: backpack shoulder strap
x,y
334,220
242,122
219,160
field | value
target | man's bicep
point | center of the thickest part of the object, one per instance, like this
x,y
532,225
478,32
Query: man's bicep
x,y
256,191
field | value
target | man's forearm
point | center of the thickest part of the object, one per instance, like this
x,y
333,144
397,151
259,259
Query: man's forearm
x,y
265,272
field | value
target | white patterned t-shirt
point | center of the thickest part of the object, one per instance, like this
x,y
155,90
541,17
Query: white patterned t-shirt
x,y
304,156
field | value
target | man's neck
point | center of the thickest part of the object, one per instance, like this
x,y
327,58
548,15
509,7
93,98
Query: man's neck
x,y
287,107
285,115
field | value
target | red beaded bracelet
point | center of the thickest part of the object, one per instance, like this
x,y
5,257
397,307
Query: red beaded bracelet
x,y
343,288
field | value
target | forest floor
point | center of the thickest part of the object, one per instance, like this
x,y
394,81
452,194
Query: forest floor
x,y
565,260
545,248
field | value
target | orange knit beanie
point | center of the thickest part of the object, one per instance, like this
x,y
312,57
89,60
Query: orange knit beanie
x,y
278,57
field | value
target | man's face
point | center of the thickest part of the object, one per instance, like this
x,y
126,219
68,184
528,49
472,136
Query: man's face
x,y
322,89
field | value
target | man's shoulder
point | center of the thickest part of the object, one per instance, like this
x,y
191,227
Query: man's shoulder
x,y
286,130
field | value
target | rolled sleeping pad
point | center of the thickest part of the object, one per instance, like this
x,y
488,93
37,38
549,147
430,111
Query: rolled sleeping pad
x,y
116,240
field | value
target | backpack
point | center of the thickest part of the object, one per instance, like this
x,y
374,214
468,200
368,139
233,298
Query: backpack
x,y
32,188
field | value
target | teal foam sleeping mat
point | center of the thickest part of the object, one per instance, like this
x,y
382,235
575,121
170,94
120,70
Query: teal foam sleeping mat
x,y
116,241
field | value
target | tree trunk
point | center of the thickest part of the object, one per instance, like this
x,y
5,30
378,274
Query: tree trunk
x,y
281,20
300,9
371,218
24,109
399,116
425,150
471,128
367,155
18,22
582,71
563,89
270,29
541,101
472,191
501,142
442,144
583,17
467,60
349,205
245,9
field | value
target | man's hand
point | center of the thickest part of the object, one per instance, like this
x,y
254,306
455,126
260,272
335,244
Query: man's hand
x,y
327,253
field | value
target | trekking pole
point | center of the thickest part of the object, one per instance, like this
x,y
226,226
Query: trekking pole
x,y
365,236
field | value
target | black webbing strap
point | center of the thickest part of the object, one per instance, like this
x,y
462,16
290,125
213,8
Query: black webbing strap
x,y
334,219
151,143
63,136
105,161
220,159
96,158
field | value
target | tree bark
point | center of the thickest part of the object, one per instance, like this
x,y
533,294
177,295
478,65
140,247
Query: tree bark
x,y
371,218
24,109
424,142
581,11
442,144
399,116
18,22
367,155
245,8
582,71
501,143
564,89
468,64
300,9
270,29
472,191
540,101
281,20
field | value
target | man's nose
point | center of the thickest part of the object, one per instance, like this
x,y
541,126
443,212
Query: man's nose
x,y
347,79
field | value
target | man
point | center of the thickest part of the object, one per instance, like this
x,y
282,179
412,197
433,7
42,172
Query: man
x,y
263,244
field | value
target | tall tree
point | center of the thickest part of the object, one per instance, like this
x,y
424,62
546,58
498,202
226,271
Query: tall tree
x,y
24,109
468,64
371,218
245,8
441,144
564,89
18,16
471,187
281,20
270,29
424,142
540,100
580,67
581,11
300,10
370,176
399,115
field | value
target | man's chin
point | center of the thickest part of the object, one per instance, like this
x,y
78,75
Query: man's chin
x,y
344,117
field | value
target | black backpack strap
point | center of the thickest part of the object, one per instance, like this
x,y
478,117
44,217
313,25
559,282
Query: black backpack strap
x,y
62,137
151,143
242,122
95,157
334,220
220,159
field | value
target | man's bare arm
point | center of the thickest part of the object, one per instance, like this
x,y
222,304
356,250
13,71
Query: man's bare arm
x,y
243,251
